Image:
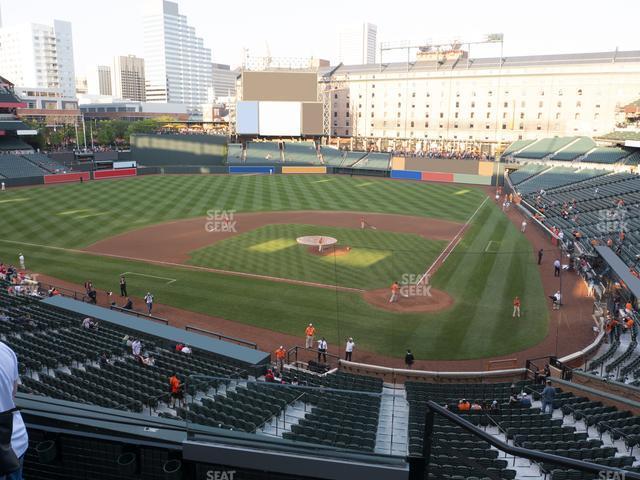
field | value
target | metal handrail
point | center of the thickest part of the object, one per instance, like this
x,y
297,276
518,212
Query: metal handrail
x,y
138,314
65,292
221,336
420,465
294,350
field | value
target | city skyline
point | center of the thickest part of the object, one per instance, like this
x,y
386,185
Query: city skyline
x,y
270,29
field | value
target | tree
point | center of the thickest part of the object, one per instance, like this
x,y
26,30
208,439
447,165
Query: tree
x,y
143,126
38,141
106,133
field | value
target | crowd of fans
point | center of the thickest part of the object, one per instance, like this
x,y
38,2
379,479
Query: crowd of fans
x,y
621,317
448,154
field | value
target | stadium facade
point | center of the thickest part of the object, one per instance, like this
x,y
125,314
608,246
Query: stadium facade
x,y
454,97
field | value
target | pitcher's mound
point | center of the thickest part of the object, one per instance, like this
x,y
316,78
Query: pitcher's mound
x,y
438,301
337,250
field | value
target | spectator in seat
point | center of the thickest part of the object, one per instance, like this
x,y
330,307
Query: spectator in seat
x,y
104,359
136,347
494,407
548,395
147,360
476,407
525,401
18,440
89,324
464,405
628,323
269,376
186,349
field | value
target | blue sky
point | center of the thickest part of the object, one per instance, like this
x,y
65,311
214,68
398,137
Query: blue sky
x,y
302,28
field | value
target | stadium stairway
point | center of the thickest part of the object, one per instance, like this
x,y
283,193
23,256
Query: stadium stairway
x,y
393,423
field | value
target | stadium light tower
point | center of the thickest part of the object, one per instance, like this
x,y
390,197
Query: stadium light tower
x,y
447,46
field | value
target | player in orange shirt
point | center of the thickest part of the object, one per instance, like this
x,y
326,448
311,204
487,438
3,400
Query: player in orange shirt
x,y
175,388
281,353
310,333
395,289
516,307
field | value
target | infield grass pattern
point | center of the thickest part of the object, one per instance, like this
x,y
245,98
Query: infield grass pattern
x,y
482,283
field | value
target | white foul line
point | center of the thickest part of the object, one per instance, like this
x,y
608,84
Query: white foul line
x,y
190,267
452,244
171,280
486,249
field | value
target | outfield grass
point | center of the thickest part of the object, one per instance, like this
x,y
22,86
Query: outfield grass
x,y
376,259
483,277
77,215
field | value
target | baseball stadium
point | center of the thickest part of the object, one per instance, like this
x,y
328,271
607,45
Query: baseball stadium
x,y
282,302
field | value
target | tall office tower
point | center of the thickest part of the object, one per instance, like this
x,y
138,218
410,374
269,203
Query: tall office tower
x,y
357,44
99,80
39,56
177,64
128,78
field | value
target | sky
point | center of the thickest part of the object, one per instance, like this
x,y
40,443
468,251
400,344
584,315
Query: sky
x,y
287,28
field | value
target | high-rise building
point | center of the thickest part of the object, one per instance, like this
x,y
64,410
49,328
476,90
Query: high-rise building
x,y
224,81
99,80
39,56
357,44
177,65
82,86
128,78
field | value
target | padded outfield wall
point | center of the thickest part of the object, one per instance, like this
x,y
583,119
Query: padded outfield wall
x,y
446,170
174,150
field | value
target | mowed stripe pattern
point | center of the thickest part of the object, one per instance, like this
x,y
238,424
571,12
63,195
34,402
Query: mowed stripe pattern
x,y
77,215
482,283
376,259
